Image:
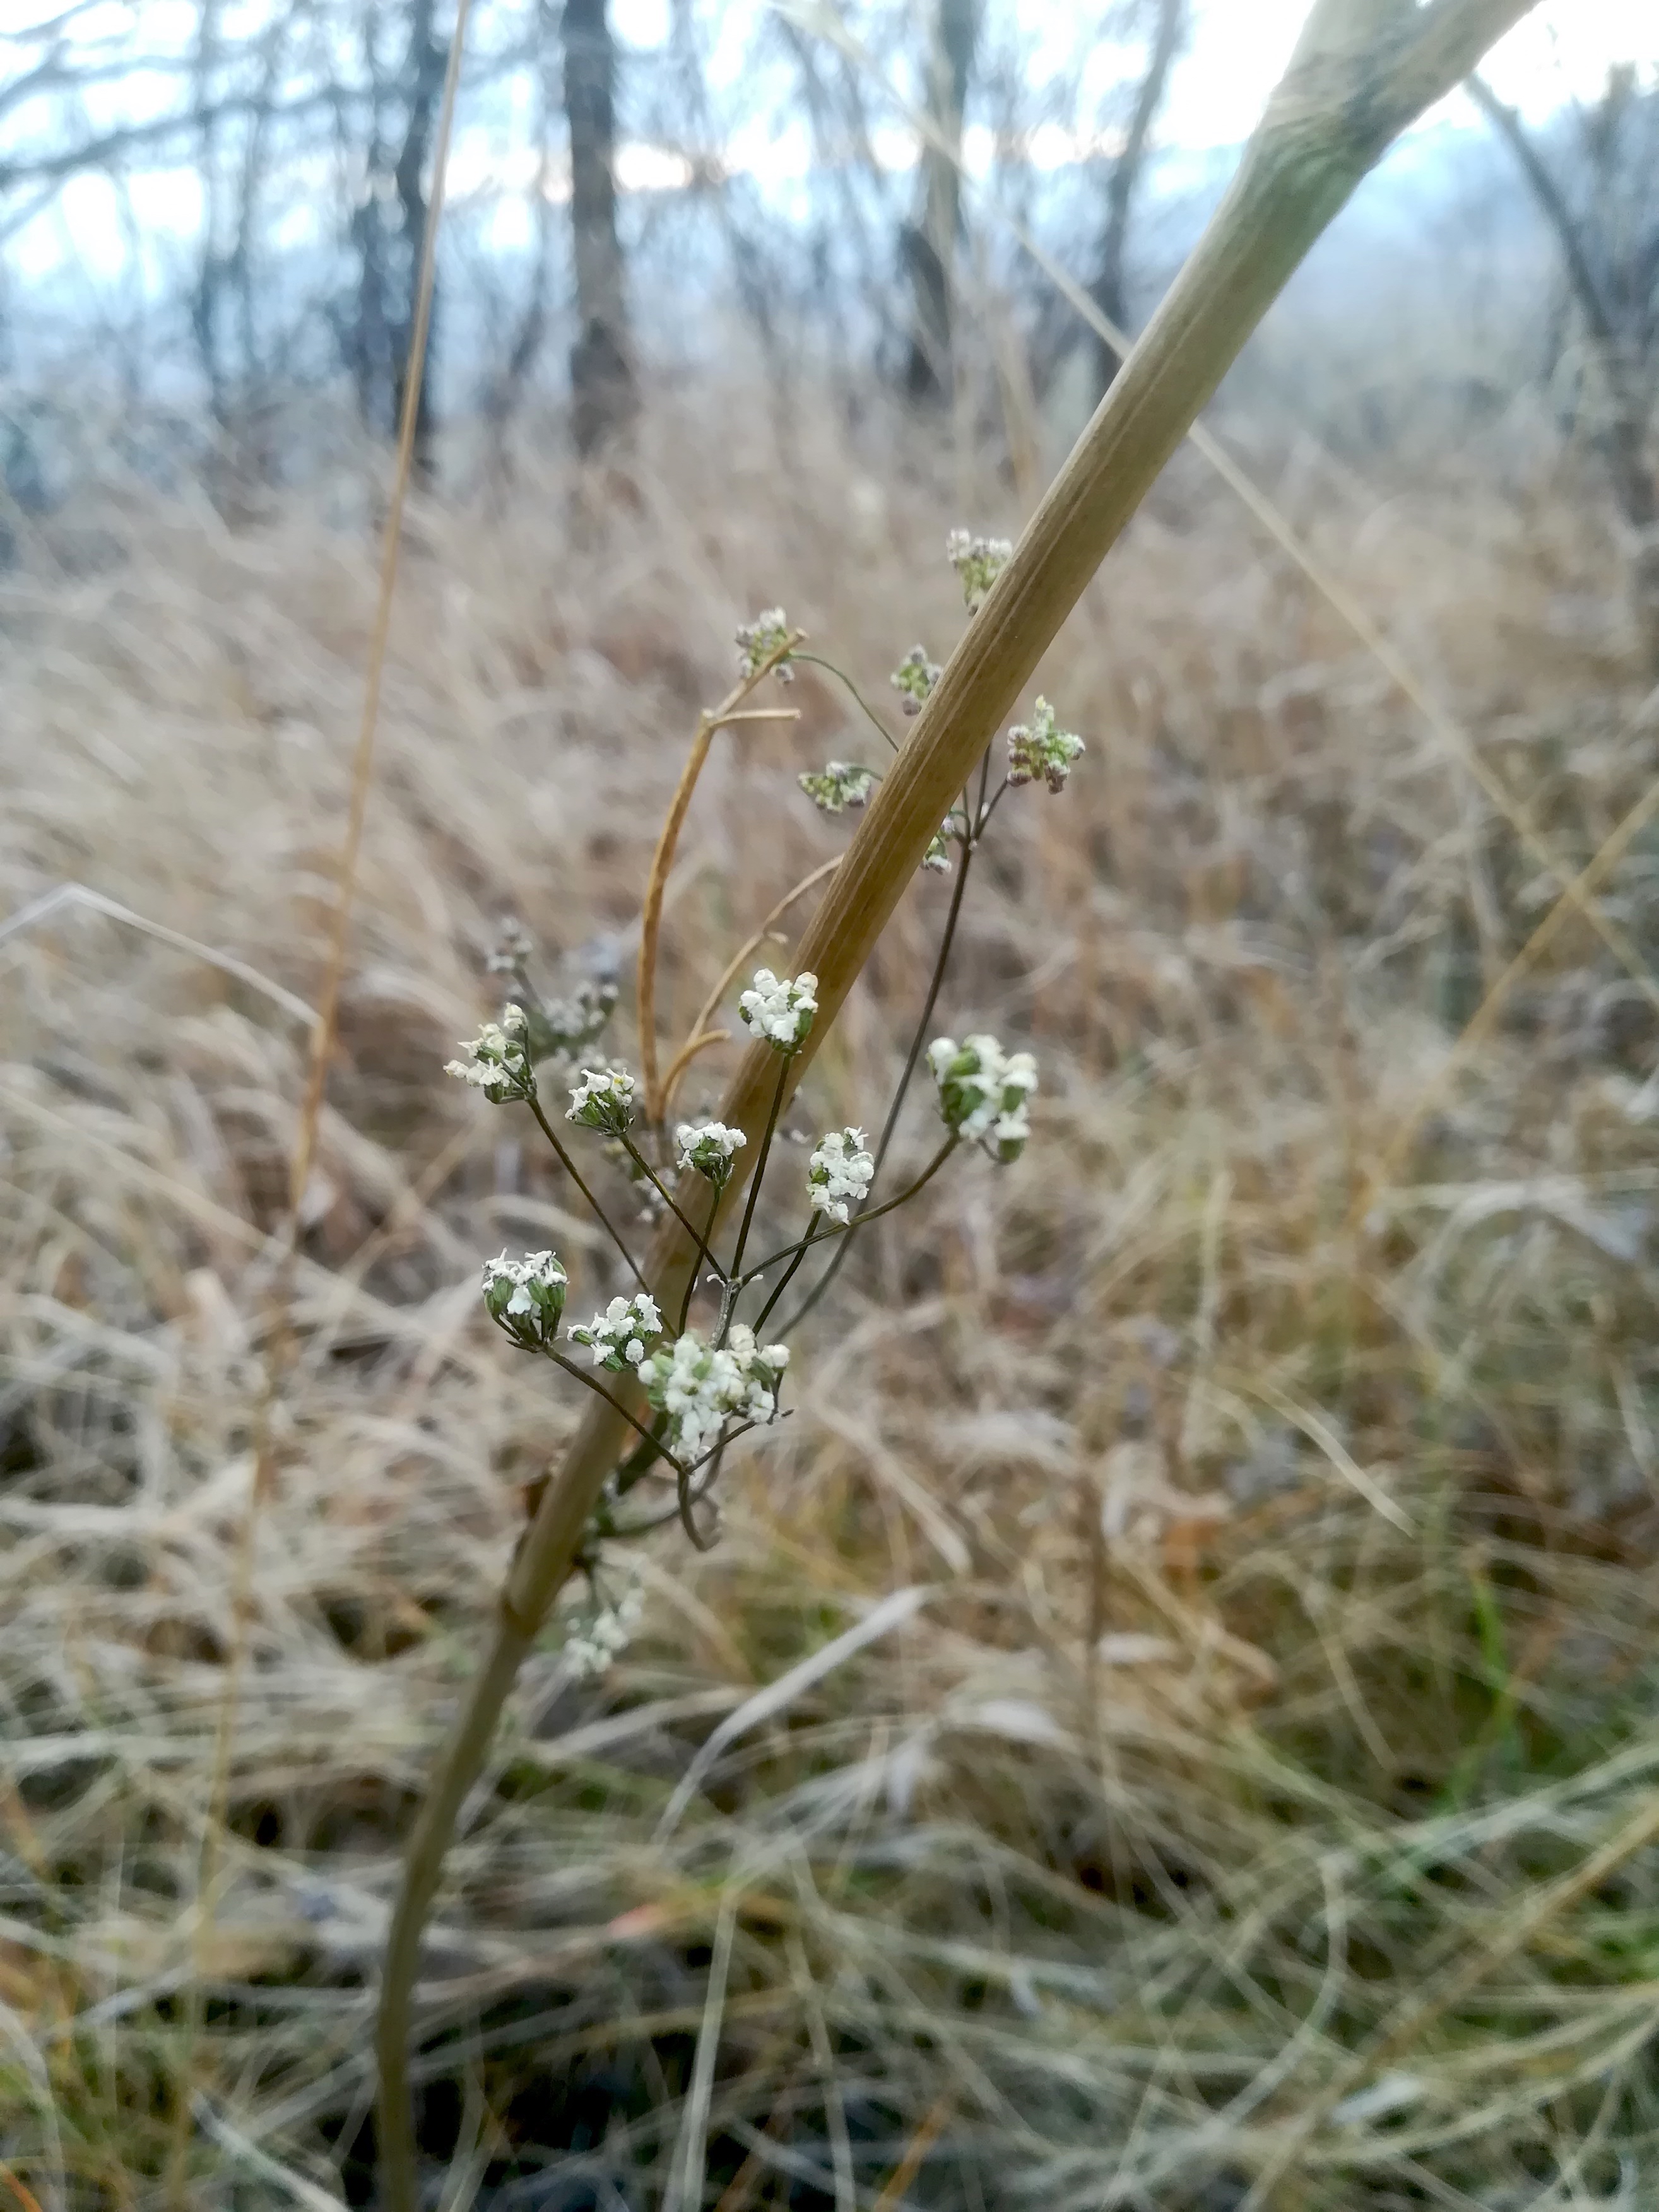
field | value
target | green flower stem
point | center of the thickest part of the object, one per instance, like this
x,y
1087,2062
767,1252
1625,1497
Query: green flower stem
x,y
571,1170
874,719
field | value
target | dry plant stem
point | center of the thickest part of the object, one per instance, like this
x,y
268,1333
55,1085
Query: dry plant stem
x,y
662,860
1445,726
280,1355
1353,84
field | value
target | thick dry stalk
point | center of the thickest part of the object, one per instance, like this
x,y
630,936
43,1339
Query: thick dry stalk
x,y
1361,72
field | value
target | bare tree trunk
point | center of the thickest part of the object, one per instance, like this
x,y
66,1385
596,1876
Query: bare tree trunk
x,y
1108,293
929,244
1624,380
425,75
602,390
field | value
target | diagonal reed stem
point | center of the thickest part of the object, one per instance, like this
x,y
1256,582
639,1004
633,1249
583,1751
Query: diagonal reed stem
x,y
1358,77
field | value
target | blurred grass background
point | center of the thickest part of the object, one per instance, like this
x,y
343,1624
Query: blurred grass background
x,y
1265,1772
1206,1589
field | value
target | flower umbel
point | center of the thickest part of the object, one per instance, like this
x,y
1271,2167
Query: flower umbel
x,y
592,1641
1042,750
604,1099
709,1147
526,1296
842,783
937,858
512,947
984,1092
838,1171
700,1386
621,1336
758,641
562,1028
781,1010
499,1065
979,561
915,677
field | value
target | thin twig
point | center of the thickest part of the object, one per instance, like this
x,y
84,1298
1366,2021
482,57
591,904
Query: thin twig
x,y
662,860
733,968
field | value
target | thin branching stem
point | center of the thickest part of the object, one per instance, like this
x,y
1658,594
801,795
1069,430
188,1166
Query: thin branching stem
x,y
691,1279
754,1181
594,1383
936,983
574,1174
870,714
667,1198
822,1232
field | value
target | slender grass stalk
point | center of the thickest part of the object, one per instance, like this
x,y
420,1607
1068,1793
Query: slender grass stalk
x,y
730,973
1358,77
280,1355
730,710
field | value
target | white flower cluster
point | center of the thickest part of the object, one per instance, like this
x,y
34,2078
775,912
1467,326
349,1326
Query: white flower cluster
x,y
604,1099
512,947
621,1335
526,1296
915,677
700,1385
842,783
781,1010
937,858
839,1169
499,1062
567,1026
979,561
1042,750
709,1147
592,1645
984,1092
759,639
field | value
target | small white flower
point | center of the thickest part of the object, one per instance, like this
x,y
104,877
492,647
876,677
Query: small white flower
x,y
758,641
838,1171
526,1296
604,1099
842,783
979,561
619,1337
984,1092
781,1010
702,1386
1042,750
499,1061
592,1643
709,1147
915,677
937,858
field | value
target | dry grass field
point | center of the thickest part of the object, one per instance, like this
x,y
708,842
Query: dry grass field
x,y
1255,1801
